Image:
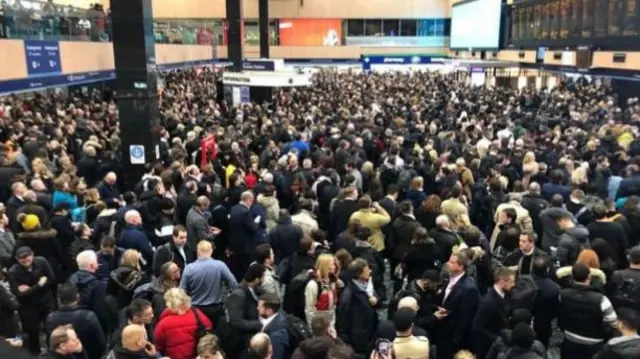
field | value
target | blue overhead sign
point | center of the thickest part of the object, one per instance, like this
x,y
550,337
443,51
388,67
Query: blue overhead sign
x,y
367,61
43,57
258,65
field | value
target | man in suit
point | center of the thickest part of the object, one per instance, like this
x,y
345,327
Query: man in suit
x,y
242,231
342,211
177,251
546,307
242,307
460,299
492,312
274,323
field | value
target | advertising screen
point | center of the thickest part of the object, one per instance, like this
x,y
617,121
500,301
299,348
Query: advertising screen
x,y
468,31
310,32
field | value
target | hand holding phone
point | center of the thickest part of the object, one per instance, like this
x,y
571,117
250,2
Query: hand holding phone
x,y
383,348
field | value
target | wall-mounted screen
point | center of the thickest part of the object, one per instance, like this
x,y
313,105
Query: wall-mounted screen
x,y
476,24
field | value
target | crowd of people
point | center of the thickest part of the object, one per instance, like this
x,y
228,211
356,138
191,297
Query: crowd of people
x,y
382,215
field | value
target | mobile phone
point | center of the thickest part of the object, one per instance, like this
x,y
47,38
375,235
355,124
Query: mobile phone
x,y
383,346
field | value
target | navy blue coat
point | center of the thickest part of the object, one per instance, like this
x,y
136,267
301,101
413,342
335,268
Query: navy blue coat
x,y
135,238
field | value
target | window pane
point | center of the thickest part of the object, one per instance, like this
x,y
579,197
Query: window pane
x,y
373,27
355,27
426,27
438,27
447,27
251,33
391,27
407,28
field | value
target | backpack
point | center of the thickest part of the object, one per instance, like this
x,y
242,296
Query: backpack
x,y
201,331
298,331
79,215
294,298
524,293
405,177
628,294
166,246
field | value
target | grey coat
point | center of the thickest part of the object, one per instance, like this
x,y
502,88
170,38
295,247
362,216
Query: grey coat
x,y
197,228
7,244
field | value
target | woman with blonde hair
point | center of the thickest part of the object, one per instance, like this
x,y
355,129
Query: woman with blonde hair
x,y
590,258
321,294
209,347
126,278
42,172
529,167
416,193
368,175
176,334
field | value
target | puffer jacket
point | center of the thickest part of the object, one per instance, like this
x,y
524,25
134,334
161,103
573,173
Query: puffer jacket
x,y
620,348
271,209
122,282
43,243
501,345
175,334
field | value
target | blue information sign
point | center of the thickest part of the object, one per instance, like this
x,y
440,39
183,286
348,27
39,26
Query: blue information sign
x,y
43,57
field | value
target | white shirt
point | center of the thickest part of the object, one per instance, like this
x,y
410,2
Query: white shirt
x,y
182,254
266,321
452,282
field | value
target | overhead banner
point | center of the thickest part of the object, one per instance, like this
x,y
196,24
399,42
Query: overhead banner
x,y
310,32
43,57
368,61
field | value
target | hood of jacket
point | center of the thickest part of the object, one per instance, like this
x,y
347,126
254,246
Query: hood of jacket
x,y
625,347
158,285
38,234
317,347
82,277
126,278
267,201
578,232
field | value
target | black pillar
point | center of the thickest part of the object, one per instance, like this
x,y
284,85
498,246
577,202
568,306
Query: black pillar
x,y
263,25
136,86
234,33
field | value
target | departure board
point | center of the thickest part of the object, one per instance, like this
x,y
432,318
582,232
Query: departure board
x,y
600,17
554,16
587,19
575,7
515,24
614,18
565,24
538,20
630,18
544,24
530,24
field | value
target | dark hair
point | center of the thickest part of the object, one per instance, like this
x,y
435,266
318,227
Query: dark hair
x,y
541,266
580,272
629,318
557,200
67,294
262,253
270,301
177,229
255,271
319,325
405,207
341,351
634,255
136,308
357,266
463,259
520,316
364,202
393,189
602,249
431,274
305,245
599,211
522,336
421,235
502,273
511,214
108,242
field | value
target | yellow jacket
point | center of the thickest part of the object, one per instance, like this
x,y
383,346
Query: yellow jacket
x,y
374,221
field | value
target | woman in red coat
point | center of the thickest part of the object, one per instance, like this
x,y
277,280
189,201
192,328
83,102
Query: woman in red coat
x,y
175,333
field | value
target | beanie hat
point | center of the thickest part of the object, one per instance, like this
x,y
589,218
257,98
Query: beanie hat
x,y
29,222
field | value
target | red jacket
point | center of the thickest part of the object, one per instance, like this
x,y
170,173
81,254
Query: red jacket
x,y
175,334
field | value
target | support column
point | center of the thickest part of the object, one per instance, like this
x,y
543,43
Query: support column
x,y
136,86
234,33
263,25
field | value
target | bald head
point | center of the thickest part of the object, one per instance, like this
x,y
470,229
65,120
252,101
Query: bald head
x,y
205,249
260,346
408,302
534,188
38,185
31,196
132,336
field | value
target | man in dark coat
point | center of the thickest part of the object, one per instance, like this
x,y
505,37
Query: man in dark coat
x,y
547,301
356,317
177,251
275,325
492,312
185,201
242,306
342,211
285,237
84,321
535,204
460,298
91,289
242,228
32,280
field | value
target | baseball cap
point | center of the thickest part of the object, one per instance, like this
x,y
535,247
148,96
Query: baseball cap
x,y
23,252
